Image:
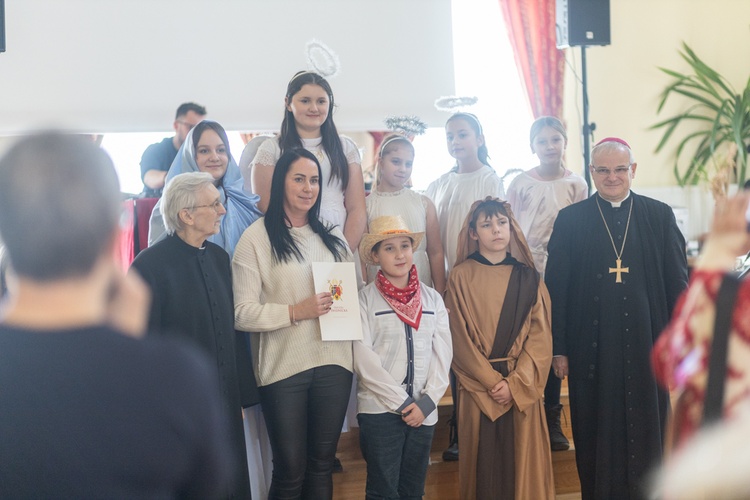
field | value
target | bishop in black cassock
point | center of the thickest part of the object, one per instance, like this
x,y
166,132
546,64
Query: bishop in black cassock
x,y
615,270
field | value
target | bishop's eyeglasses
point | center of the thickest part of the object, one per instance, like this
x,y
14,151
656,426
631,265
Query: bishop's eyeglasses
x,y
618,171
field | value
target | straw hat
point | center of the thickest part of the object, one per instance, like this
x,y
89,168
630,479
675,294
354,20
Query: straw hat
x,y
383,228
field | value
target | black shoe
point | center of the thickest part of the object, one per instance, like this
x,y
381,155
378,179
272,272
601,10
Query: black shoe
x,y
451,454
337,467
557,440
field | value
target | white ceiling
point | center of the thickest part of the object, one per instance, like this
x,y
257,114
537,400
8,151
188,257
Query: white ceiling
x,y
125,65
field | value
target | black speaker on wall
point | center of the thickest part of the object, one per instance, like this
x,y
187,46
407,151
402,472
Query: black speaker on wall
x,y
582,22
2,25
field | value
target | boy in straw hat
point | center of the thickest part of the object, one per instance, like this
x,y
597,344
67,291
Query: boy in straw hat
x,y
500,321
401,363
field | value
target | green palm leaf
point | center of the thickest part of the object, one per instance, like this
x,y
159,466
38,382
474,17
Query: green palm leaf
x,y
720,114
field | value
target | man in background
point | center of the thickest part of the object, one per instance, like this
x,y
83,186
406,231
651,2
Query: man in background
x,y
158,157
87,409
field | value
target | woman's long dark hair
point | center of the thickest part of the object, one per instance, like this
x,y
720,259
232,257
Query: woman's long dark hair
x,y
277,223
289,137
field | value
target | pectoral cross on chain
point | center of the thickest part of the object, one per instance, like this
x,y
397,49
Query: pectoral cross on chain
x,y
619,270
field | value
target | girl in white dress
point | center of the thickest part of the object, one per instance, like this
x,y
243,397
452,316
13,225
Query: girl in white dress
x,y
536,197
390,197
471,179
308,123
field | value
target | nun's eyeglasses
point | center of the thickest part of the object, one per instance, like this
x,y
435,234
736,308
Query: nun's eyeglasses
x,y
215,205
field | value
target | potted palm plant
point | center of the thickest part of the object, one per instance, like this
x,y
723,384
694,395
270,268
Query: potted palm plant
x,y
716,123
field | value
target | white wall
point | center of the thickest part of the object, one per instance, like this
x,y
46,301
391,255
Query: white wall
x,y
116,65
624,80
625,85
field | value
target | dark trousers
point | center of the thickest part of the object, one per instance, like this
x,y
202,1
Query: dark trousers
x,y
397,456
304,414
552,390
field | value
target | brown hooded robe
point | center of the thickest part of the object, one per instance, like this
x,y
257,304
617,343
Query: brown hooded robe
x,y
475,296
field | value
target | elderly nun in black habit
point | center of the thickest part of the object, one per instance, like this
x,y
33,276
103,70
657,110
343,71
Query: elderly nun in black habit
x,y
190,279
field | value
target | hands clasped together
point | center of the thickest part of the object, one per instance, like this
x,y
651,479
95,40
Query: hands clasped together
x,y
501,393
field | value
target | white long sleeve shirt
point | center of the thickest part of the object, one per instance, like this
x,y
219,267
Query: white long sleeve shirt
x,y
394,358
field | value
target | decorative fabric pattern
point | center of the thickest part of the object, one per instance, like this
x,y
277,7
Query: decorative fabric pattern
x,y
405,302
681,354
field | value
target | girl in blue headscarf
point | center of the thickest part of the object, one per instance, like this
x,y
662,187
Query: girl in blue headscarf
x,y
206,149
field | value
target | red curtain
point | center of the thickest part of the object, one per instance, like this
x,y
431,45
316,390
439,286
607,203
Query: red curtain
x,y
377,138
133,237
531,28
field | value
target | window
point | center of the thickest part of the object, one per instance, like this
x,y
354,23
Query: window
x,y
126,150
485,67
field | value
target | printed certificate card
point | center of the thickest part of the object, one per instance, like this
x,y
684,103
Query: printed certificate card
x,y
342,322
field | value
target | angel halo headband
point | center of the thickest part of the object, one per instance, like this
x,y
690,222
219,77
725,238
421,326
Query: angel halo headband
x,y
322,59
473,117
406,125
452,103
300,73
393,138
306,72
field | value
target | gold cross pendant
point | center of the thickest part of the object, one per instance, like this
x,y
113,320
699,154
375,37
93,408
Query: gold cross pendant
x,y
619,270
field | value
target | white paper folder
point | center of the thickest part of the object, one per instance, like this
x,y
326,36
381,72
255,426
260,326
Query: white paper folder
x,y
342,322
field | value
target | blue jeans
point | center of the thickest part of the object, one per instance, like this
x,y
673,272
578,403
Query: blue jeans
x,y
397,456
304,414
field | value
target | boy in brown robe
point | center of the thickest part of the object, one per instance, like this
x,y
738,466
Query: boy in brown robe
x,y
502,344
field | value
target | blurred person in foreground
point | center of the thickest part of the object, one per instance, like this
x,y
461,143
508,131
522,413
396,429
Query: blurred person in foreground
x,y
681,356
87,409
709,463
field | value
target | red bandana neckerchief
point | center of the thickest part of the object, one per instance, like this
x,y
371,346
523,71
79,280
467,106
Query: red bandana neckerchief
x,y
405,302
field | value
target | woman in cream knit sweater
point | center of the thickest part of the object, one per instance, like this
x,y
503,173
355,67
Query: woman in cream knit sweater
x,y
304,383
